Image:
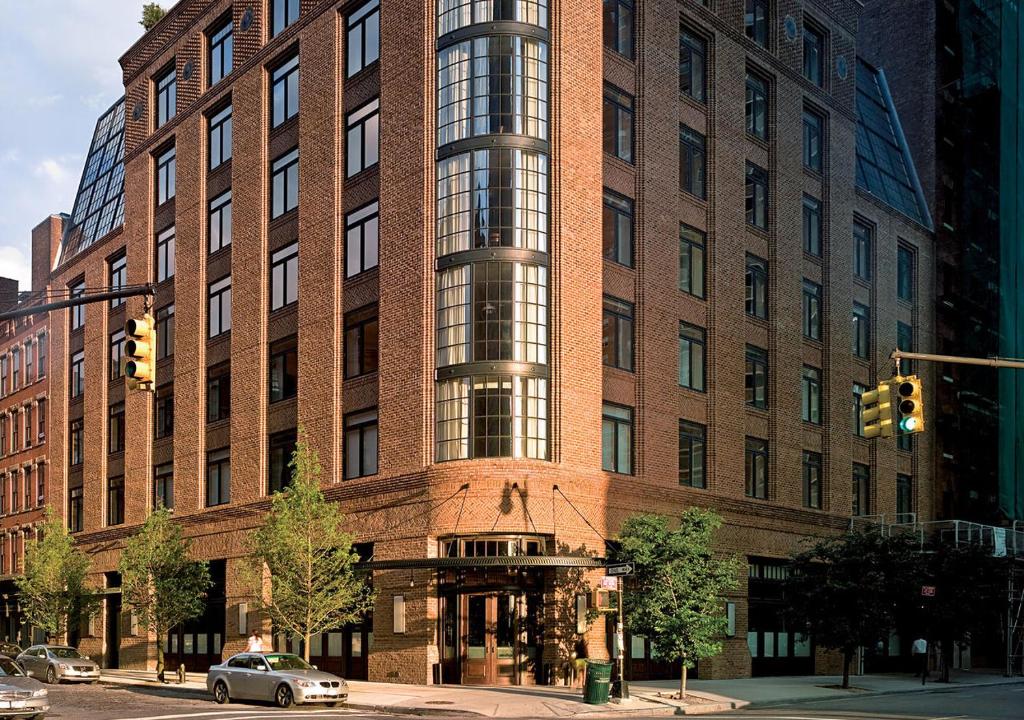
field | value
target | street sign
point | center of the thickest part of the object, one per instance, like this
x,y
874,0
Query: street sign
x,y
609,583
619,569
927,591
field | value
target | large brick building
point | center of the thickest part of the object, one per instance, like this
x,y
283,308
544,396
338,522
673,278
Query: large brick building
x,y
383,224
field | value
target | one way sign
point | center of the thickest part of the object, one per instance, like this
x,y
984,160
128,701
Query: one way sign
x,y
619,569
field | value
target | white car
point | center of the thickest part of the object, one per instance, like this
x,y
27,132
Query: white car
x,y
281,678
20,695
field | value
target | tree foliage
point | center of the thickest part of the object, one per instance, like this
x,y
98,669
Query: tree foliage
x,y
676,597
160,582
301,566
152,13
850,590
53,591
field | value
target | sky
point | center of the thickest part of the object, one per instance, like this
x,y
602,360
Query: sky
x,y
60,73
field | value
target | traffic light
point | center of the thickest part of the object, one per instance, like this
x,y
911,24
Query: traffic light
x,y
876,414
911,405
140,351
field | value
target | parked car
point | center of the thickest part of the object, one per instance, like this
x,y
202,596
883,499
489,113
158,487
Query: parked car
x,y
280,678
56,663
20,695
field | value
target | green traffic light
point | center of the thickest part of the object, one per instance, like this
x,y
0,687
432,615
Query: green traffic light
x,y
908,424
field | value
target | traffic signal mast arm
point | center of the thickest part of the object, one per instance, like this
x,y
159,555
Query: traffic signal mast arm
x,y
86,297
995,362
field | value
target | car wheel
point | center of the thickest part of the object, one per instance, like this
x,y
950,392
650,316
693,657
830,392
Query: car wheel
x,y
284,697
220,693
51,675
334,704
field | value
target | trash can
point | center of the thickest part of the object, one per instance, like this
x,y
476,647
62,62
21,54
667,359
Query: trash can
x,y
599,677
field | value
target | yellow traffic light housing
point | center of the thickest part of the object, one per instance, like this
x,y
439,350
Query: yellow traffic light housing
x,y
140,351
876,414
910,405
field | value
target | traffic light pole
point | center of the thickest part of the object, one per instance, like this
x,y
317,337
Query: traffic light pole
x,y
83,299
995,362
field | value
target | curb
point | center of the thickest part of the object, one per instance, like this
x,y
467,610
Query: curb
x,y
934,687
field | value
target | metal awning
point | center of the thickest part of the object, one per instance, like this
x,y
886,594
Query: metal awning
x,y
515,561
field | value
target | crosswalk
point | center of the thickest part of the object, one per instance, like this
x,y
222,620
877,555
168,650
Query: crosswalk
x,y
254,713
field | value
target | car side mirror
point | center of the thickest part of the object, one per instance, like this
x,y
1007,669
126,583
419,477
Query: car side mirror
x,y
315,667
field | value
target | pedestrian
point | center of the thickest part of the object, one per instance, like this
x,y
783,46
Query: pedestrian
x,y
920,651
255,642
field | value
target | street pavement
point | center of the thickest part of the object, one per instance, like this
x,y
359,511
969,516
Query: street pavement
x,y
997,702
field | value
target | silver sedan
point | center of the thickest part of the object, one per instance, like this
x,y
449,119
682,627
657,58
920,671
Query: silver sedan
x,y
20,695
57,663
281,678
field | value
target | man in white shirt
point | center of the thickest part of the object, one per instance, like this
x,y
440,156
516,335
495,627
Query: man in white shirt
x,y
920,652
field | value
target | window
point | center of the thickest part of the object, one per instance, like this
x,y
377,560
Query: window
x,y
284,276
118,277
284,91
218,477
361,444
3,375
861,489
27,413
618,123
757,468
905,342
692,162
363,37
115,429
757,287
618,26
117,355
220,138
284,184
165,332
166,170
15,431
861,331
691,454
15,368
813,140
75,447
692,65
812,226
3,437
282,14
164,413
812,310
757,377
284,370
904,497
77,375
220,307
218,393
618,228
220,222
165,254
361,342
905,442
756,21
812,480
692,356
78,311
617,439
757,106
163,486
858,408
40,357
362,147
40,485
814,54
810,387
15,491
905,273
41,417
862,250
166,95
222,46
691,260
76,508
757,196
362,239
282,446
617,336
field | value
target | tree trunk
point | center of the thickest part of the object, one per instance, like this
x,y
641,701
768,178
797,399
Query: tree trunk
x,y
682,683
847,659
160,658
305,646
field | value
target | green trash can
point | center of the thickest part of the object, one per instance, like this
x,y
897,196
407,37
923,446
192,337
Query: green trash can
x,y
599,679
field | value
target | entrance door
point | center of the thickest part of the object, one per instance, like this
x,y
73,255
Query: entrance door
x,y
489,639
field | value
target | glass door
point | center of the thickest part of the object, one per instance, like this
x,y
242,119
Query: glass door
x,y
477,667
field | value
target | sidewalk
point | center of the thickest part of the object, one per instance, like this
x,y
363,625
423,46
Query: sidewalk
x,y
496,702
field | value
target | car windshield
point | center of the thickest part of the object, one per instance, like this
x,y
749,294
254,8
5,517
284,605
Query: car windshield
x,y
62,652
287,662
9,669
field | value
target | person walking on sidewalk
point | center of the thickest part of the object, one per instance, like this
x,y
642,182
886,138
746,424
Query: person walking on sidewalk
x,y
920,652
255,643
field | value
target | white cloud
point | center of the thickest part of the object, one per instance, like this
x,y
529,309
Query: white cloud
x,y
14,263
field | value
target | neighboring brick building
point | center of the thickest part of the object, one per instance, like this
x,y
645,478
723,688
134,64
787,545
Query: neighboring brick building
x,y
24,458
427,308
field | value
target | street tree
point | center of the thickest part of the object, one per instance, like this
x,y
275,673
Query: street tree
x,y
847,591
301,565
53,590
676,597
160,582
152,13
